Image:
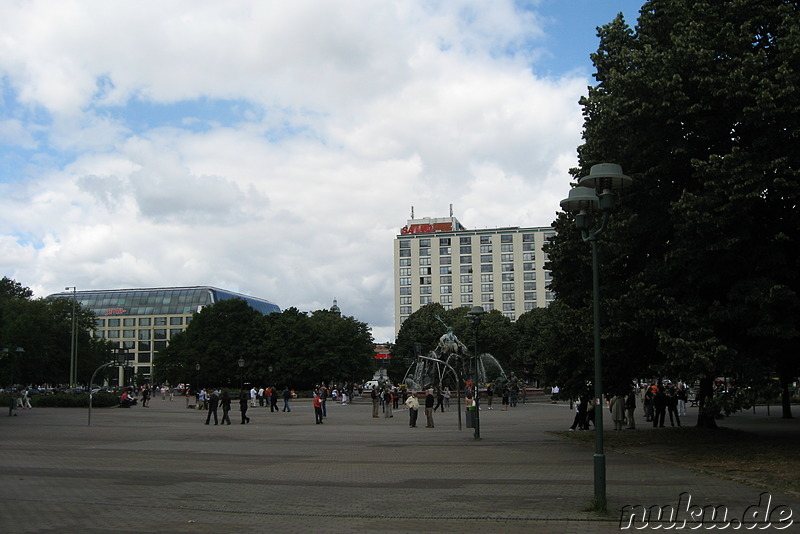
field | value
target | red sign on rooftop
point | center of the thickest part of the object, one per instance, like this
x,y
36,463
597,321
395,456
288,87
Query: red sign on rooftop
x,y
427,228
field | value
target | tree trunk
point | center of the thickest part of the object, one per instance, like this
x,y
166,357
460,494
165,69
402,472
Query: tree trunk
x,y
705,418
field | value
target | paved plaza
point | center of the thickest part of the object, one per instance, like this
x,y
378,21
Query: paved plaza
x,y
160,469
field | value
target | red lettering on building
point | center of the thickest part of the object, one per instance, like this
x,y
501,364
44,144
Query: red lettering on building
x,y
115,311
427,228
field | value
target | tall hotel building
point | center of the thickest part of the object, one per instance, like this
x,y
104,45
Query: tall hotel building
x,y
438,260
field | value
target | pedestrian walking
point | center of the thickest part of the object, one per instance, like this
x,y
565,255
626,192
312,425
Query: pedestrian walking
x,y
226,407
287,394
243,407
213,404
318,407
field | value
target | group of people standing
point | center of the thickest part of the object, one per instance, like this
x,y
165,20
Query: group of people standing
x,y
658,401
223,399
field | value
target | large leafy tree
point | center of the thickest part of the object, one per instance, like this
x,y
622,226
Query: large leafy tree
x,y
43,328
700,105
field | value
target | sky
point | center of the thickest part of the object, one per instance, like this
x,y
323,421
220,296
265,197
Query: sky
x,y
276,148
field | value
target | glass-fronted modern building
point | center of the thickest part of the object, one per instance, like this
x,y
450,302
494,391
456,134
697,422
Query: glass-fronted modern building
x,y
142,321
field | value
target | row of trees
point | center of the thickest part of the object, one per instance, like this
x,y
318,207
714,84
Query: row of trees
x,y
289,348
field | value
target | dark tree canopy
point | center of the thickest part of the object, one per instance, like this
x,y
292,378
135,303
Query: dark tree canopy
x,y
700,105
290,348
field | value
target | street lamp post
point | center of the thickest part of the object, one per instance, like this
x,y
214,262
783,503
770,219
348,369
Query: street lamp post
x,y
6,352
270,375
596,191
73,350
241,379
476,313
197,368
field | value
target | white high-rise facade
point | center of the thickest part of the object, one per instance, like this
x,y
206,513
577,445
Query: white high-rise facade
x,y
438,260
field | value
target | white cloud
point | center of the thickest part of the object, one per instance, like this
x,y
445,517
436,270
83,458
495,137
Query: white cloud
x,y
338,118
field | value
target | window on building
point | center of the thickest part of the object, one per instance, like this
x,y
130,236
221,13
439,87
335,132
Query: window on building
x,y
487,306
179,320
113,334
113,323
466,279
144,334
160,321
506,247
506,257
160,333
144,321
508,277
465,259
424,270
405,262
425,299
486,249
425,280
487,268
528,256
425,290
487,287
159,345
446,299
425,251
405,244
445,251
530,306
486,239
511,316
405,300
465,269
508,306
467,288
508,297
424,242
144,346
529,286
529,295
528,238
506,267
465,241
445,289
143,357
405,253
445,260
487,297
445,270
174,331
405,281
529,276
486,258
487,278
508,286
528,246
465,250
404,271
444,241
99,323
445,279
406,310
130,334
405,290
466,299
506,238
424,261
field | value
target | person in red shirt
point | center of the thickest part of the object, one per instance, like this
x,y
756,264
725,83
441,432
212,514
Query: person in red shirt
x,y
318,406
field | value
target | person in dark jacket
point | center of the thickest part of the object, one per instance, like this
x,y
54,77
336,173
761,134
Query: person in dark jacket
x,y
659,407
430,400
243,406
213,404
226,407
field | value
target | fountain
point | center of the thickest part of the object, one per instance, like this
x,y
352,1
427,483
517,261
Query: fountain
x,y
447,362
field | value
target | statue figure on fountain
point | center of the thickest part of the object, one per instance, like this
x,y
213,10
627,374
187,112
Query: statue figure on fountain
x,y
449,343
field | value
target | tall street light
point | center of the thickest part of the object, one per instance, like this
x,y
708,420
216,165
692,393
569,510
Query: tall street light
x,y
476,313
241,379
73,350
197,368
596,191
17,352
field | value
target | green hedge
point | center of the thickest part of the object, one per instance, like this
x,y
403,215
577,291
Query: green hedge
x,y
67,400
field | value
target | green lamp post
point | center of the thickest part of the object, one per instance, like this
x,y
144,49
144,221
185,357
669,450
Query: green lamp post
x,y
476,313
596,192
